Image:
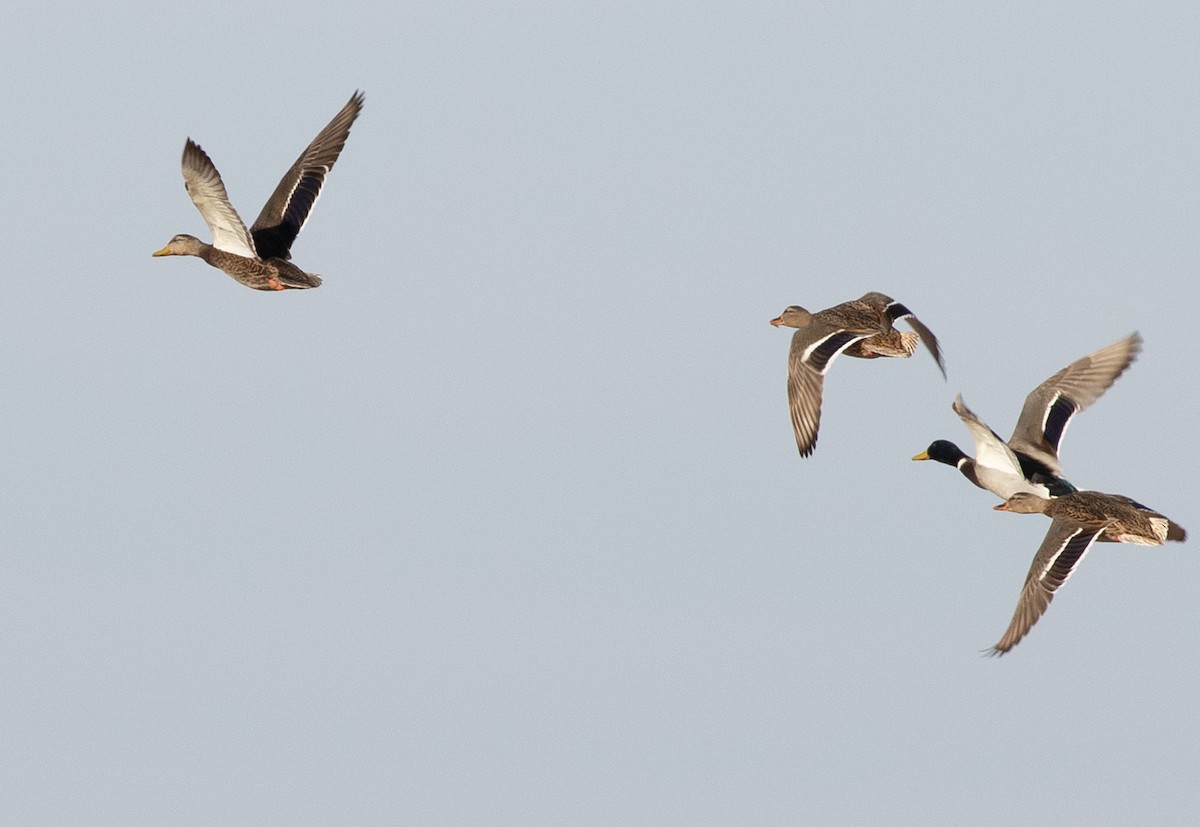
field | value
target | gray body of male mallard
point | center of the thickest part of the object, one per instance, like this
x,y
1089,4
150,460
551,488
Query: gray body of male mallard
x,y
1079,519
1029,461
862,328
259,257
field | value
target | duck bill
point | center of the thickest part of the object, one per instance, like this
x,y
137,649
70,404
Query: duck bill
x,y
1001,507
920,456
777,322
165,251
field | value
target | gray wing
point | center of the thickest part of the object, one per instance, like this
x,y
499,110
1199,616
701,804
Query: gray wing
x,y
1050,406
207,192
813,350
289,207
996,466
1064,547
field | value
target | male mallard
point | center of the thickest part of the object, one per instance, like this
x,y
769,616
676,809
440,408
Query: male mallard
x,y
861,328
1080,519
1029,460
258,257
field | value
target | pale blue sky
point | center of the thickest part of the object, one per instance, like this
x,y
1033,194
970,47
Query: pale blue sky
x,y
505,523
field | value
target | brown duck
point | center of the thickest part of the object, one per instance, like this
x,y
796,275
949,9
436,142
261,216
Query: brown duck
x,y
862,328
1079,519
259,257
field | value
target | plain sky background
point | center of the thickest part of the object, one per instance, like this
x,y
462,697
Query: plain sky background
x,y
505,523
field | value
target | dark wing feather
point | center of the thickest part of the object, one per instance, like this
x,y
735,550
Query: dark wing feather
x,y
288,208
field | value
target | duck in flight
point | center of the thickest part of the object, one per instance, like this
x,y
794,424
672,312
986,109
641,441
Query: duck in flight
x,y
1080,518
1029,460
260,257
862,328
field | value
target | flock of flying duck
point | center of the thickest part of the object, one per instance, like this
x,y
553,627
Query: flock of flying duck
x,y
1024,472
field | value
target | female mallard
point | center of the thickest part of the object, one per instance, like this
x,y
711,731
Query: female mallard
x,y
1029,460
861,328
258,257
1080,519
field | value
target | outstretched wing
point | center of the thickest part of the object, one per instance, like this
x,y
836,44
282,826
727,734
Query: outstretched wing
x,y
813,350
1064,547
207,191
1050,406
991,451
289,207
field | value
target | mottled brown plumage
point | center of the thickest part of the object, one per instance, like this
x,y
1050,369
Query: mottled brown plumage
x,y
259,257
861,328
1079,520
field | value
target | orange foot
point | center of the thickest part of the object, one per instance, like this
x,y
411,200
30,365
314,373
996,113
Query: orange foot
x,y
274,285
